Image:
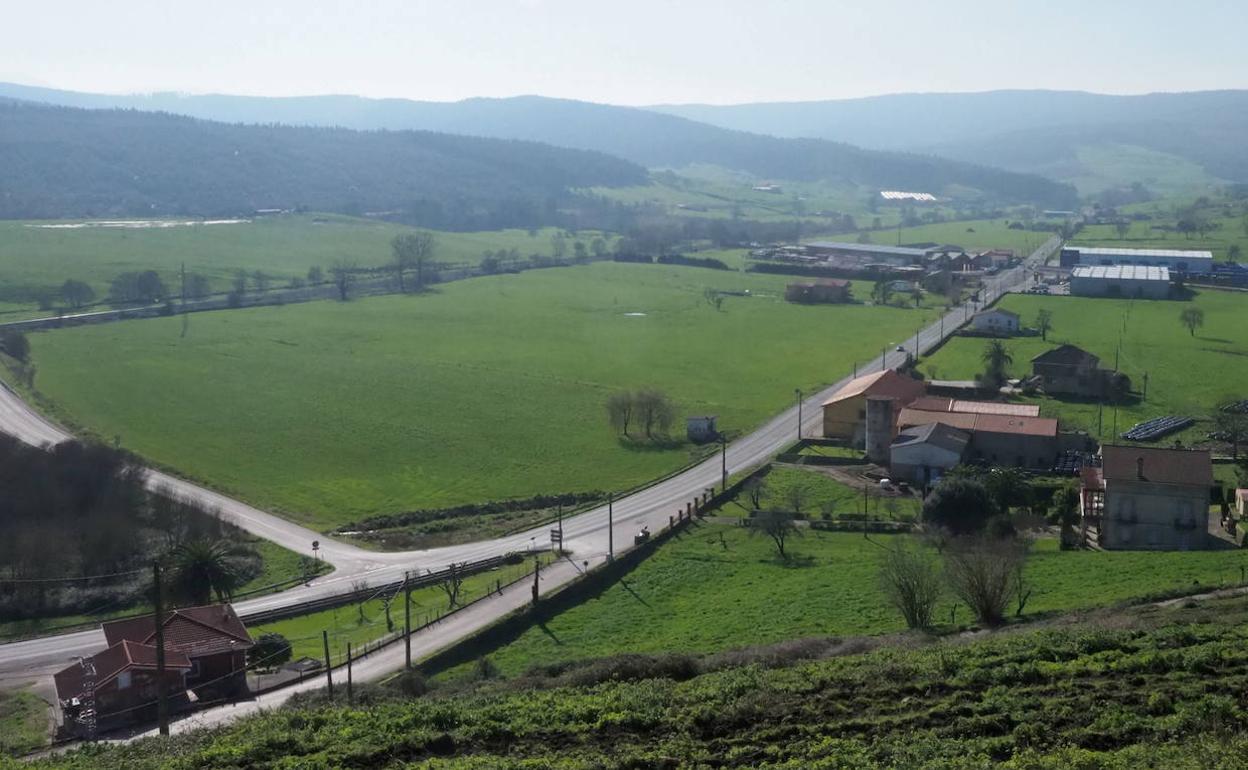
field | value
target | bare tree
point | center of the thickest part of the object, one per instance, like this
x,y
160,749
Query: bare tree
x,y
984,571
654,410
795,495
1230,423
911,581
1122,226
343,274
620,410
360,589
261,280
755,490
451,584
316,274
1044,322
1193,318
777,525
412,250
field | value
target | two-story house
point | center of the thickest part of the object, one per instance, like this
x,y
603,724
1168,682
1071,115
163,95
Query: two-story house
x,y
1146,498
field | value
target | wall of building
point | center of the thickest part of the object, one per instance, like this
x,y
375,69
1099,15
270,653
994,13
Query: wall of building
x,y
1013,450
844,419
1143,516
1114,287
921,463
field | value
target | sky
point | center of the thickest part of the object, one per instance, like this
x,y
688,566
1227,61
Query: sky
x,y
638,52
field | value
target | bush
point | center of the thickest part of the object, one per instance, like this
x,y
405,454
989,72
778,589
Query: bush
x,y
960,505
270,651
15,344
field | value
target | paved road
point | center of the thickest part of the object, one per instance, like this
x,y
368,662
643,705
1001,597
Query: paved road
x,y
585,535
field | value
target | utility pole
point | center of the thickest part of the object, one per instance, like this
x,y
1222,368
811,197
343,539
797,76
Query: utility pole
x,y
537,569
1144,395
560,514
798,393
883,359
610,527
186,320
329,674
407,621
158,612
723,461
350,691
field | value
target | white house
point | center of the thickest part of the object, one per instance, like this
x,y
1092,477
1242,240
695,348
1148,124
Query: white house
x,y
996,321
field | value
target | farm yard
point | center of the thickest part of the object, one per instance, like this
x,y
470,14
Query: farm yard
x,y
476,390
1187,374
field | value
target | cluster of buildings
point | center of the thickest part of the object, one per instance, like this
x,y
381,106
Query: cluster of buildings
x,y
1103,271
205,659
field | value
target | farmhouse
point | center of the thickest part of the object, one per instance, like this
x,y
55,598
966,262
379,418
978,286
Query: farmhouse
x,y
845,413
1148,498
212,638
817,291
119,686
1133,281
924,453
998,322
1192,262
995,439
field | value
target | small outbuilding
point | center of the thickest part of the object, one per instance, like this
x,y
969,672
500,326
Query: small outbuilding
x,y
822,290
700,430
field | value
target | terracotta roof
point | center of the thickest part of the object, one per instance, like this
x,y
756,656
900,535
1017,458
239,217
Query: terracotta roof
x,y
1066,354
1192,467
197,631
987,423
108,664
942,404
887,384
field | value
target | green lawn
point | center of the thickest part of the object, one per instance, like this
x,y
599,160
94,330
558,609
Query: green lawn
x,y
1186,375
482,389
23,722
973,235
36,259
1142,235
716,587
350,624
821,496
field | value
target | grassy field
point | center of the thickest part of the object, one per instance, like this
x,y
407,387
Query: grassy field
x,y
717,588
37,257
359,624
1186,375
1105,166
822,496
482,389
972,235
23,722
1143,236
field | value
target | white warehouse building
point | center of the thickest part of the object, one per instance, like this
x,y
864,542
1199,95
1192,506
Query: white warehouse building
x,y
1120,281
1179,261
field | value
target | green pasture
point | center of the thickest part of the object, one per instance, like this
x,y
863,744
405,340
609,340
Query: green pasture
x,y
477,390
972,235
716,587
23,722
1147,235
820,496
1187,375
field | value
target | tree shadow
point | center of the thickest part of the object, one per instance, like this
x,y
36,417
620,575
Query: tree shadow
x,y
1218,340
795,561
656,444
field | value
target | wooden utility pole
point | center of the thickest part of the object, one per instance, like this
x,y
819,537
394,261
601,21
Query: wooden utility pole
x,y
610,527
350,691
723,461
329,674
537,568
407,621
158,611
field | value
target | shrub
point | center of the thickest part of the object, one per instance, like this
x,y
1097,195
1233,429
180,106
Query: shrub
x,y
960,505
271,650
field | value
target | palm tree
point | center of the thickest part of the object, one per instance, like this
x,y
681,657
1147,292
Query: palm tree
x,y
997,360
202,568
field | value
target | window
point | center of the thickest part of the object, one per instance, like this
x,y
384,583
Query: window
x,y
123,680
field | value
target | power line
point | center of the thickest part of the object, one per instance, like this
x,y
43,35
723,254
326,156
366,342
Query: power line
x,y
71,579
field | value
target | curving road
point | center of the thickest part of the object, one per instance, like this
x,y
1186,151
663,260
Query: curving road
x,y
585,535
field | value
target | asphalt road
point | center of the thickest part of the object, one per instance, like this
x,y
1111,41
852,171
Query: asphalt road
x,y
587,535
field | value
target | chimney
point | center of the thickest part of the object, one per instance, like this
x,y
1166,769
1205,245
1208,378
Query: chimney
x,y
1139,468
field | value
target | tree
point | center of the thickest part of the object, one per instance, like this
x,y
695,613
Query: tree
x,y
1230,423
795,496
141,287
202,568
777,525
489,263
1234,252
240,282
882,291
316,274
261,280
558,245
269,651
916,294
579,251
1044,323
15,344
910,580
984,572
997,360
451,584
599,247
197,286
620,410
343,275
755,491
412,250
1122,227
959,504
1008,488
655,411
77,293
1193,318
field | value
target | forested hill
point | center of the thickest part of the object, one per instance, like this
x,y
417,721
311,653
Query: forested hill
x,y
642,136
67,162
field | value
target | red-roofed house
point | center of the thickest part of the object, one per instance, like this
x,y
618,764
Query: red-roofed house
x,y
844,414
1002,440
121,684
212,638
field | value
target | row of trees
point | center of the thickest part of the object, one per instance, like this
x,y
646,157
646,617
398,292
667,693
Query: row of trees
x,y
649,409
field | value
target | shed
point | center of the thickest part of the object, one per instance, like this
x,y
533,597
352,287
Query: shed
x,y
701,429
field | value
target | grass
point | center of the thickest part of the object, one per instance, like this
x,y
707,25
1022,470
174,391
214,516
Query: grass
x,y
973,235
1107,166
35,261
484,389
821,494
717,588
23,722
359,624
1186,375
1158,233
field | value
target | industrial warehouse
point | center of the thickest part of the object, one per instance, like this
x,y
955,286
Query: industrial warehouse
x,y
1187,262
1130,281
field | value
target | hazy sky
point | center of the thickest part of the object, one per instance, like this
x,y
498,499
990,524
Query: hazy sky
x,y
634,52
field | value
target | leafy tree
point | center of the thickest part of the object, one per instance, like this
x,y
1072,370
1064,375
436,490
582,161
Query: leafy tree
x,y
911,581
1234,252
137,287
579,252
316,274
261,280
1230,423
1008,488
654,410
343,275
779,526
15,344
77,293
599,247
997,360
1192,318
202,568
270,650
1044,322
558,245
197,286
412,250
1122,226
882,291
959,504
240,282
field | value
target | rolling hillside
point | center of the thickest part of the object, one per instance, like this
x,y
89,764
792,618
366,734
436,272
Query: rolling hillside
x,y
66,162
641,136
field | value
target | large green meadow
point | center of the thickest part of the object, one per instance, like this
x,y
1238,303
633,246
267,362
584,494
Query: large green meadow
x,y
483,389
37,257
1186,374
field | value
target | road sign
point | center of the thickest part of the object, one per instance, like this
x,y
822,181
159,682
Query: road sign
x,y
556,536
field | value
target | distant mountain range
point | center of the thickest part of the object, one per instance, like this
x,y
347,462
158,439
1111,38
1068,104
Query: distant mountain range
x,y
68,162
1046,132
645,137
